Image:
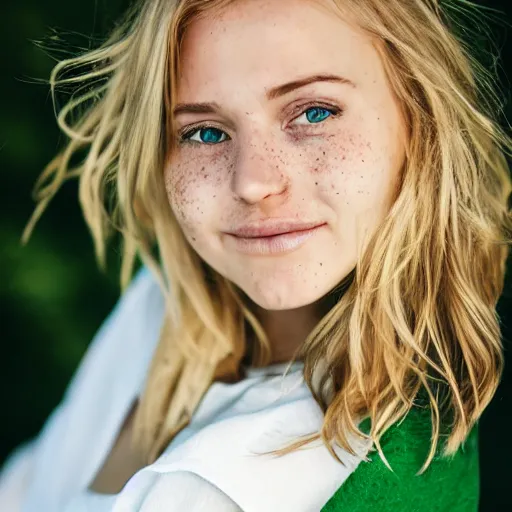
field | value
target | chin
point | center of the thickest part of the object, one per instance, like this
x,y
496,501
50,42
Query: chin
x,y
283,296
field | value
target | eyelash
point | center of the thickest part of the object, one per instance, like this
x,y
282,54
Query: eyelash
x,y
183,136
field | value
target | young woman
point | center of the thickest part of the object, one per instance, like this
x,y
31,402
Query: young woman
x,y
317,186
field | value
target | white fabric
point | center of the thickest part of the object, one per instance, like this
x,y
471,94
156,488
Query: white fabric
x,y
15,477
211,465
74,440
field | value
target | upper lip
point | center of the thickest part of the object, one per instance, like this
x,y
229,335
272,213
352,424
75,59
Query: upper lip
x,y
272,227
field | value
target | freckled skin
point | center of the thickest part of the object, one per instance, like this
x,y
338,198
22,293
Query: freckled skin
x,y
273,163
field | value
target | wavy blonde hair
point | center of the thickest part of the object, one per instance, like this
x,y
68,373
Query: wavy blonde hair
x,y
383,341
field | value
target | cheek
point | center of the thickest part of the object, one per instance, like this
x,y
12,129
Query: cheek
x,y
354,167
194,188
344,163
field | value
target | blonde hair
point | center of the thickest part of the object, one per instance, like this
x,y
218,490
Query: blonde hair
x,y
383,341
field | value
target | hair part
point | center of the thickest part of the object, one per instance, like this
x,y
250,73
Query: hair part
x,y
384,342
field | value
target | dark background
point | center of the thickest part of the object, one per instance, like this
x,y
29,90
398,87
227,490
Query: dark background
x,y
52,295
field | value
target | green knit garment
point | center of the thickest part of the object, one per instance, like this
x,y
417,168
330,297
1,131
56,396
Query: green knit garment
x,y
450,484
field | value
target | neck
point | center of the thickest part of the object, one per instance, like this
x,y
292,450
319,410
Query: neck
x,y
288,329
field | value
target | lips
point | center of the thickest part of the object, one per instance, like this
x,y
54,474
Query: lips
x,y
272,228
272,240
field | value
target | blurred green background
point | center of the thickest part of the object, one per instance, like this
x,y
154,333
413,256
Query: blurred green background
x,y
52,295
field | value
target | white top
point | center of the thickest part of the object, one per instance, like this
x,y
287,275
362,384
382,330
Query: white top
x,y
211,465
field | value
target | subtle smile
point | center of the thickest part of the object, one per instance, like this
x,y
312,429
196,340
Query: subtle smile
x,y
252,242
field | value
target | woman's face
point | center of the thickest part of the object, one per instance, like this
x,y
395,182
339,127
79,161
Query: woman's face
x,y
302,129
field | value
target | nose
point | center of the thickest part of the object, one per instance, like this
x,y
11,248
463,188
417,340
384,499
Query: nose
x,y
259,173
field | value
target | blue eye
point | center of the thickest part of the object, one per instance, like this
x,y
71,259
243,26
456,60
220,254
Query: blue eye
x,y
317,114
207,135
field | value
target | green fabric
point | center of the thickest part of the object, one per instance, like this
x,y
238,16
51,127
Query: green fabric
x,y
449,484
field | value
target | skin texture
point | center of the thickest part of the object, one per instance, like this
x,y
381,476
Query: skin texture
x,y
272,162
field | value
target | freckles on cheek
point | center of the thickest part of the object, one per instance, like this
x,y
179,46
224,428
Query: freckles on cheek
x,y
193,188
179,186
350,167
340,153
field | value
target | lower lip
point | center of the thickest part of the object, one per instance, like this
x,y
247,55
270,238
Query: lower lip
x,y
276,244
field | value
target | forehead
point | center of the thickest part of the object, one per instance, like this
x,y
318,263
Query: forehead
x,y
255,44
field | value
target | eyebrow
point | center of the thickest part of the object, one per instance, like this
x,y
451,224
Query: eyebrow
x,y
273,93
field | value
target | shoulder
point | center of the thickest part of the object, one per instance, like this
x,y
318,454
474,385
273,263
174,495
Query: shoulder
x,y
141,301
129,334
132,327
110,372
448,484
